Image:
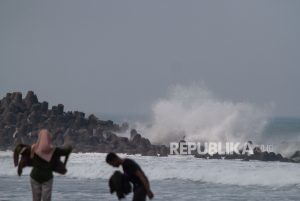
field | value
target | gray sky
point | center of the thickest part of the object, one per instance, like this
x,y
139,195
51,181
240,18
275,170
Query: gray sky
x,y
120,56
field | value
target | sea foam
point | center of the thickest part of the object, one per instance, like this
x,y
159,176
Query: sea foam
x,y
196,113
231,172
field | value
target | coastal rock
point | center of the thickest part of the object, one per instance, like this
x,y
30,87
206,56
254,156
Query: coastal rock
x,y
17,97
296,157
10,118
133,133
92,120
44,107
60,109
30,99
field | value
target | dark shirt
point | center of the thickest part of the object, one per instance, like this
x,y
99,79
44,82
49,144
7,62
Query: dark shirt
x,y
130,167
42,169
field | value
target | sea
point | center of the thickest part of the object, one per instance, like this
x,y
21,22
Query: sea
x,y
172,178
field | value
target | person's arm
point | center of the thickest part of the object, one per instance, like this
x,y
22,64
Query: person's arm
x,y
145,182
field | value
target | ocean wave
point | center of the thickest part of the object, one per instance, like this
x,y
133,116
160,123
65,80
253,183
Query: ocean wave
x,y
199,115
93,166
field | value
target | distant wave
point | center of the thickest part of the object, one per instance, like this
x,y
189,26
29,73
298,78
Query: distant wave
x,y
196,113
93,166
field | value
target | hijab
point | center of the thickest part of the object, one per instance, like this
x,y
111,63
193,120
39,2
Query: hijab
x,y
43,147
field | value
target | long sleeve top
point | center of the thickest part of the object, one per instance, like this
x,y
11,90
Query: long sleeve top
x,y
42,169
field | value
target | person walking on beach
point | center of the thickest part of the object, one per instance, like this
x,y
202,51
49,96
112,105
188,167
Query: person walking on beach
x,y
44,156
134,173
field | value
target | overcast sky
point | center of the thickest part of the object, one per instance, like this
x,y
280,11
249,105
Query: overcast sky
x,y
119,57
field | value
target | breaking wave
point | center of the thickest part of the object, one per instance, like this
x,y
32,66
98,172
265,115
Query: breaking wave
x,y
93,166
194,112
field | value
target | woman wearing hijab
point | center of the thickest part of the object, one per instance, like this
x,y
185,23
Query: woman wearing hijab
x,y
44,156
